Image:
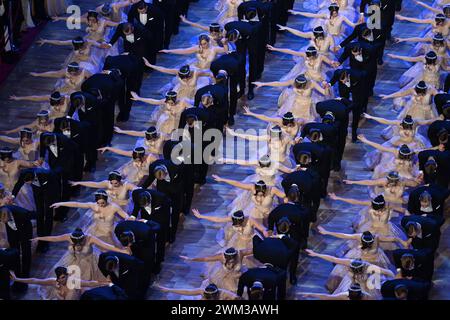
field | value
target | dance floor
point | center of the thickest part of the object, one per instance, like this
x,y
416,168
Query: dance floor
x,y
197,238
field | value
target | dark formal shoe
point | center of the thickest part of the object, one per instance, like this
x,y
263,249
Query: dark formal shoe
x,y
250,95
231,121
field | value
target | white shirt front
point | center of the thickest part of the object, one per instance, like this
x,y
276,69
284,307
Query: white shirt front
x,y
54,149
143,18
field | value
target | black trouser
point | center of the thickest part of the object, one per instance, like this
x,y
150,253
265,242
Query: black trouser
x,y
177,206
21,242
233,92
447,83
5,279
39,10
285,6
341,145
169,25
147,255
253,60
44,214
188,188
108,108
357,110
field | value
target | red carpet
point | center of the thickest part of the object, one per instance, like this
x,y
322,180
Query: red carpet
x,y
26,41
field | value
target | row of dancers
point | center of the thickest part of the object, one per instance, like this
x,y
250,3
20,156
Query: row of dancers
x,y
269,223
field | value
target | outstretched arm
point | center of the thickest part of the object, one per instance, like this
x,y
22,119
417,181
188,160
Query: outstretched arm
x,y
151,101
161,69
215,257
49,74
117,151
130,132
44,97
234,183
73,204
184,292
29,125
239,162
354,236
273,83
287,51
262,117
326,257
426,6
348,22
324,296
413,39
60,238
413,20
406,58
210,218
90,184
181,51
307,35
10,140
348,200
247,136
376,182
105,246
40,282
194,24
308,14
55,42
378,146
381,120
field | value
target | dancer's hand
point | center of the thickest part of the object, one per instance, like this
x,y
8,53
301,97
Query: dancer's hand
x,y
148,64
347,181
282,28
118,130
34,74
247,111
217,178
311,253
183,18
55,205
336,48
74,183
361,137
399,17
185,258
332,196
12,275
271,48
105,45
321,230
230,131
164,51
196,213
326,85
367,116
336,64
134,96
41,42
103,150
397,40
258,84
